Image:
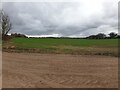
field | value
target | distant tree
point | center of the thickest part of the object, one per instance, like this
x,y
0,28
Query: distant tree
x,y
118,36
100,36
18,35
5,23
112,35
92,37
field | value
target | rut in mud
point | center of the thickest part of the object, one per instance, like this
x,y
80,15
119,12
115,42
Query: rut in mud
x,y
33,70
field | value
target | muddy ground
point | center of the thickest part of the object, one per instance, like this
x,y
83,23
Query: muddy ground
x,y
33,70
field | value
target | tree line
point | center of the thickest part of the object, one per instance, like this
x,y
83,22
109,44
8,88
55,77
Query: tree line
x,y
111,35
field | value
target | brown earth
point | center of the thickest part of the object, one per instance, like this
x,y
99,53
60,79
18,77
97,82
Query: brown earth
x,y
33,70
0,69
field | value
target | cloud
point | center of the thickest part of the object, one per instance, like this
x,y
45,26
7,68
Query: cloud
x,y
78,19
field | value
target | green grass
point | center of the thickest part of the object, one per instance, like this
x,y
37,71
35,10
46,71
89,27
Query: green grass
x,y
64,46
49,42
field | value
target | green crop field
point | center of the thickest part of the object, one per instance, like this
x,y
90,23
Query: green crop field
x,y
47,42
64,46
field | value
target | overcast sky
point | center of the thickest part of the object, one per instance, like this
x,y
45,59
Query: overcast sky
x,y
74,19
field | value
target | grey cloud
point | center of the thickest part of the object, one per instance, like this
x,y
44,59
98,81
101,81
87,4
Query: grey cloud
x,y
64,18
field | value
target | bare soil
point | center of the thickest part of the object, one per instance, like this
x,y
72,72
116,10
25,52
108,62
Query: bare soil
x,y
0,68
33,70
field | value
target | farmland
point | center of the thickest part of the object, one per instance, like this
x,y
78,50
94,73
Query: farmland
x,y
64,46
60,63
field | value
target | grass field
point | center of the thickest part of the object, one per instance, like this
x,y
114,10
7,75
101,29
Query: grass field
x,y
64,46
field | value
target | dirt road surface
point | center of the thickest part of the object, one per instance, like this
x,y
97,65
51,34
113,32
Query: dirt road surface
x,y
0,69
32,70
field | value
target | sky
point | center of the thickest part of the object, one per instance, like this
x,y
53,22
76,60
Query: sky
x,y
64,18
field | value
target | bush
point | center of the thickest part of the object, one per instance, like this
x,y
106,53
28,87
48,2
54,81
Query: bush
x,y
18,35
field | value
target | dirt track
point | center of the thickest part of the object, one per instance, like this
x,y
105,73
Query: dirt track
x,y
58,71
0,69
